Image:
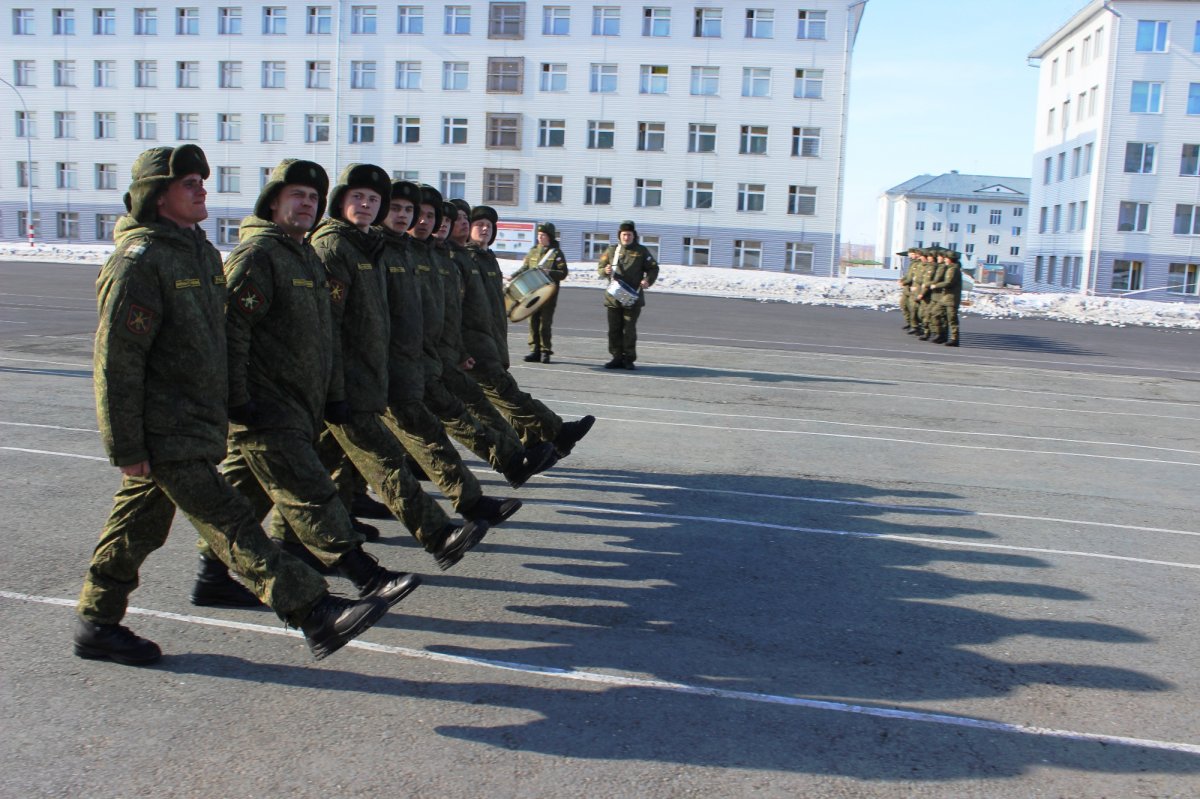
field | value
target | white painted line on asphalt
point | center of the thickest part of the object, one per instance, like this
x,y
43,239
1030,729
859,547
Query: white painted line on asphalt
x,y
73,338
51,427
615,680
58,454
907,539
11,322
84,365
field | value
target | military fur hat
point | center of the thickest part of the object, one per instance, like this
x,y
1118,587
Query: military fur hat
x,y
361,176
628,225
433,198
406,190
450,211
463,206
549,229
154,170
488,213
293,172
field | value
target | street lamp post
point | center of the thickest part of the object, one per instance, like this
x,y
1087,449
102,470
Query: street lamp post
x,y
28,163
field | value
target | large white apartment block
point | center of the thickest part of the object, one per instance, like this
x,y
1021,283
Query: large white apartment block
x,y
718,127
982,216
1116,168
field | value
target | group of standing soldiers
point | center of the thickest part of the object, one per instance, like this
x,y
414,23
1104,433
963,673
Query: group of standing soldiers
x,y
930,294
325,351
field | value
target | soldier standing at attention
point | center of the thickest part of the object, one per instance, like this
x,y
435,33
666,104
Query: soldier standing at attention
x,y
632,264
946,292
907,306
548,257
921,280
161,378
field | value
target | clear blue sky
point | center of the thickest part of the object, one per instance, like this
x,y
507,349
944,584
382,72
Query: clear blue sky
x,y
938,85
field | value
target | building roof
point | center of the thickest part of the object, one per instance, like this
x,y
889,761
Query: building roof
x,y
1084,15
955,184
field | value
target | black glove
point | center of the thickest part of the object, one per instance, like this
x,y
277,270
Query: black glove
x,y
337,412
243,414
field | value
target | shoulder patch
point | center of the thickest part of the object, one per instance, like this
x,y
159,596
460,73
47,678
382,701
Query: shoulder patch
x,y
249,299
140,320
337,290
219,280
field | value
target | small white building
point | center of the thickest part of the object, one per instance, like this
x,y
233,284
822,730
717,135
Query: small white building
x,y
1116,189
982,216
718,127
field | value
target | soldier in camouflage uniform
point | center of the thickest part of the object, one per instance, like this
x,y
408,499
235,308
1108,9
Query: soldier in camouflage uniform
x,y
161,378
633,265
946,295
922,277
286,377
907,304
548,257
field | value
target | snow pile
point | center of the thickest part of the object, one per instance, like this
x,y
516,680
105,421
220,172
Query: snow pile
x,y
800,289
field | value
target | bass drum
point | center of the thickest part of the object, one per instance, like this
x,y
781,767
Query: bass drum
x,y
526,293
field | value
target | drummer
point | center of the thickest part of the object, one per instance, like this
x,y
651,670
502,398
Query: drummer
x,y
546,256
634,266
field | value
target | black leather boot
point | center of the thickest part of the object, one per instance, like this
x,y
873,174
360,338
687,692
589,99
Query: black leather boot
x,y
533,357
216,588
335,622
545,356
531,461
941,338
371,579
616,363
491,510
114,642
368,531
571,434
952,342
456,541
365,506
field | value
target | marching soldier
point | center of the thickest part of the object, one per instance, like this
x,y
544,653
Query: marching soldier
x,y
632,264
548,257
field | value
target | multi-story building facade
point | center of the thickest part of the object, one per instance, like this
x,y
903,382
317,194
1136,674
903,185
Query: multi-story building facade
x,y
719,128
982,216
1116,188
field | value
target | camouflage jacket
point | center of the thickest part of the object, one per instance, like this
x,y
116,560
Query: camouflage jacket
x,y
358,294
948,286
451,344
492,280
406,372
283,348
555,265
159,360
631,265
433,304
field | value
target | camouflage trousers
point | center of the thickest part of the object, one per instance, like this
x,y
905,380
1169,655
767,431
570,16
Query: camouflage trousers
x,y
622,332
141,517
539,326
505,441
281,469
532,420
908,308
424,437
943,317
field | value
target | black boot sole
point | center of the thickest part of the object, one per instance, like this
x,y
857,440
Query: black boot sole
x,y
325,648
91,653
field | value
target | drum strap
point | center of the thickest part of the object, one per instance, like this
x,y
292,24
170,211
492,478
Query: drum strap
x,y
549,252
617,260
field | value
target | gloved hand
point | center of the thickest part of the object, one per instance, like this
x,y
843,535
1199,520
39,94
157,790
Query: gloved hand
x,y
244,414
337,412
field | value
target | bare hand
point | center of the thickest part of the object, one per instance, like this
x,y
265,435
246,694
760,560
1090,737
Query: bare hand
x,y
608,270
645,285
468,364
136,469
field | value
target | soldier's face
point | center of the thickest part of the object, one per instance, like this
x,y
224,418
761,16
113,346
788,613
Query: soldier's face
x,y
481,231
626,237
425,220
443,229
543,239
295,210
400,214
184,201
360,207
461,230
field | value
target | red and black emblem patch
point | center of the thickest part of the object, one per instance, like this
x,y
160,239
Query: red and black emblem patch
x,y
140,320
337,290
249,299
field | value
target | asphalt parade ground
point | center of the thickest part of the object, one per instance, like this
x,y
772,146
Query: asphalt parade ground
x,y
801,554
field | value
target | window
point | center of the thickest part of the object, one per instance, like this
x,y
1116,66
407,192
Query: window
x,y
187,127
316,74
556,20
756,82
600,134
362,129
229,179
705,80
597,191
1057,219
554,78
652,136
798,257
1193,100
1015,212
410,20
1050,121
319,21
454,130
995,216
1016,231
362,74
272,127
993,239
1139,157
363,19
105,125
64,124
1151,36
145,74
458,20
552,133
922,205
699,195
656,22
594,245
104,22
229,21
64,73
953,228
747,254
106,177
63,21
1189,160
1187,220
760,23
230,74
695,251
810,83
752,196
25,73
606,21
187,74
806,142
1126,275
811,25
106,74
229,127
708,23
1081,106
702,138
603,78
653,80
501,186
651,244
24,223
106,225
1076,157
937,227
1087,158
1196,39
919,224
408,75
1132,217
27,176
22,21
408,130
1181,278
145,22
274,20
227,230
1070,216
802,200
549,189
1146,97
506,75
145,126
316,128
454,76
753,140
1042,216
187,22
647,193
503,132
506,21
68,224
